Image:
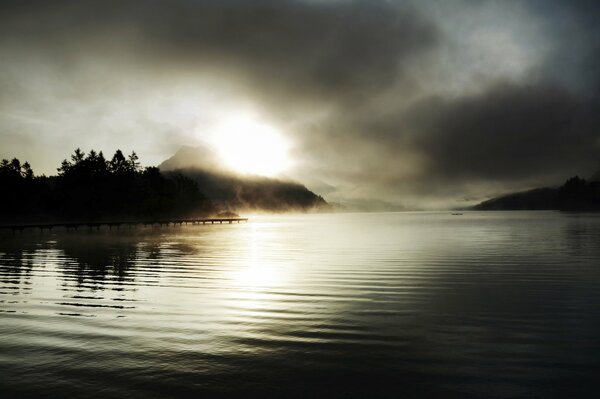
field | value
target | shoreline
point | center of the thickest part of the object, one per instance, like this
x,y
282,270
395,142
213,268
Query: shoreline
x,y
118,224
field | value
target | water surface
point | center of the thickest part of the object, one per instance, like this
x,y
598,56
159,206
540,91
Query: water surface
x,y
498,304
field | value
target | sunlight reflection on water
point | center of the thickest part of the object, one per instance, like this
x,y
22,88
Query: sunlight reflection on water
x,y
495,304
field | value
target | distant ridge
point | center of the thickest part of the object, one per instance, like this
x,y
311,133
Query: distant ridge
x,y
545,198
191,157
231,190
574,195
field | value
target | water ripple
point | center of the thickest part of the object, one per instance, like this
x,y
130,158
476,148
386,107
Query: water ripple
x,y
499,304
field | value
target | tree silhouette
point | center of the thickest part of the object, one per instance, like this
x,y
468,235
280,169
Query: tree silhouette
x,y
118,163
89,187
578,194
133,161
27,172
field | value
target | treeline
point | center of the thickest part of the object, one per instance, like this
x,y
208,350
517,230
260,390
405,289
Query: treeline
x,y
90,187
576,194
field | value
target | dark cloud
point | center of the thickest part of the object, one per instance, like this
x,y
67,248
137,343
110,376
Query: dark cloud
x,y
508,132
347,50
339,51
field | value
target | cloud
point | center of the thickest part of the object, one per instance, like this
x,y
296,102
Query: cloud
x,y
339,50
410,102
507,132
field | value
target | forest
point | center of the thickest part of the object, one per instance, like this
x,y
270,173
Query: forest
x,y
89,187
575,194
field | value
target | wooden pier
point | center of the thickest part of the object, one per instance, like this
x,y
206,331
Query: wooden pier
x,y
96,225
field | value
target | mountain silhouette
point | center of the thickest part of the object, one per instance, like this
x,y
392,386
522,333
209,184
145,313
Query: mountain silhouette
x,y
545,198
231,190
576,194
192,157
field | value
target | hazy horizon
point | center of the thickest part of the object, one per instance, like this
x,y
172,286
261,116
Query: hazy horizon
x,y
423,104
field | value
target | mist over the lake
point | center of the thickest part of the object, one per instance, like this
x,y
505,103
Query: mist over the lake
x,y
409,103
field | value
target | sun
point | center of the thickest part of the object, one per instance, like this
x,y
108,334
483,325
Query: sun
x,y
248,145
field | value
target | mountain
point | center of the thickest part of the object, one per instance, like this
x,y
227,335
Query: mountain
x,y
576,194
537,199
231,190
192,157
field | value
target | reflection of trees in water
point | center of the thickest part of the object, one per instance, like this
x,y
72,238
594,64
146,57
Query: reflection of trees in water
x,y
101,261
91,270
582,233
115,263
16,263
93,260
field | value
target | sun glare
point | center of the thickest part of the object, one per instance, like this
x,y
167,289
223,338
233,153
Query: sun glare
x,y
247,145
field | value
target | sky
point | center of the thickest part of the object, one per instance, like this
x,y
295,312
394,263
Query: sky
x,y
422,104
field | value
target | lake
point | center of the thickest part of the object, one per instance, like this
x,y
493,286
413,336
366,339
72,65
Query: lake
x,y
495,305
